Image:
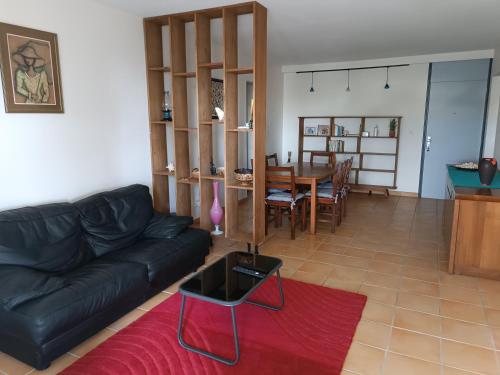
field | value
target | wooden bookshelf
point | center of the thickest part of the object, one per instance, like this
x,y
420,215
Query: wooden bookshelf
x,y
184,133
357,152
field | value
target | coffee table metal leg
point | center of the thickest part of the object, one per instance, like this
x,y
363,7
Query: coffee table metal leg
x,y
282,297
203,352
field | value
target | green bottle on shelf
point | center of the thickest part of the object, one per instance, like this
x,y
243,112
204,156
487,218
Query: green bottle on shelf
x,y
167,112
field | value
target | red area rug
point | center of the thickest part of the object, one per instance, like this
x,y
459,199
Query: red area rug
x,y
310,335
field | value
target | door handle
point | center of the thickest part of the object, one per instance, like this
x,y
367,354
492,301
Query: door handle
x,y
428,144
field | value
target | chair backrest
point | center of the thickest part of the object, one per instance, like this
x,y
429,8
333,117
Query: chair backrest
x,y
347,172
323,154
281,178
273,157
338,179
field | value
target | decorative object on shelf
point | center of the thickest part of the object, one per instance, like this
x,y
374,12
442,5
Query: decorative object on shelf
x,y
365,134
167,111
244,175
310,130
220,171
487,170
323,129
217,97
220,113
336,145
468,166
29,61
311,90
213,170
216,212
393,128
375,131
250,121
171,167
387,87
338,131
195,173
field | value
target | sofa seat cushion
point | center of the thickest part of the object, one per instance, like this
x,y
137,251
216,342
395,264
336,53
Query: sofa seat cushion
x,y
115,219
93,288
167,260
21,284
45,238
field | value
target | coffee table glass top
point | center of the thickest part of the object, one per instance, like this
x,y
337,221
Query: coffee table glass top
x,y
232,278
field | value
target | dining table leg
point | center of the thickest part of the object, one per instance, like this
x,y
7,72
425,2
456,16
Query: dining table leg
x,y
312,227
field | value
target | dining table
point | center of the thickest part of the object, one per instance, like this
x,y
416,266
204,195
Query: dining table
x,y
311,175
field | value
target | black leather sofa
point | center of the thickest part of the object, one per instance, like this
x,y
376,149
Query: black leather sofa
x,y
69,270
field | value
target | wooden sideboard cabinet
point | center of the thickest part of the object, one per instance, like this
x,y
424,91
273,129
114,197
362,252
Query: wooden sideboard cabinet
x,y
471,224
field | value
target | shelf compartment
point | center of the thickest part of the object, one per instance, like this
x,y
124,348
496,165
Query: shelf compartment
x,y
217,178
188,180
240,70
379,153
212,65
164,69
379,136
185,74
186,129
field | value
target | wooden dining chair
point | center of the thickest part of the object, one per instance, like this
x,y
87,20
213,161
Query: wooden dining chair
x,y
283,178
323,154
272,157
346,186
330,199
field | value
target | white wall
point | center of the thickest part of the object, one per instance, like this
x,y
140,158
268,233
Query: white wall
x,y
101,141
406,97
492,119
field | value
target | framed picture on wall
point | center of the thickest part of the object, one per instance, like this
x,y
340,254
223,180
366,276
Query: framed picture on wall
x,y
30,68
310,130
217,95
323,129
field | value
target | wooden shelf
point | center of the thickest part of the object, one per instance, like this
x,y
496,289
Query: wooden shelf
x,y
240,70
379,153
188,180
161,122
218,178
332,136
379,136
185,74
377,170
164,173
212,65
212,122
186,129
244,130
238,185
164,69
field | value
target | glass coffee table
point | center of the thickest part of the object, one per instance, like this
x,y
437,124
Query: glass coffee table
x,y
230,282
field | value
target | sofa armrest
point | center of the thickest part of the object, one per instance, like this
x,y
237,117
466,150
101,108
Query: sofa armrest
x,y
166,226
21,284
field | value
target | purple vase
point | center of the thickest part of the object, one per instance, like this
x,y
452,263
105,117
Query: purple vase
x,y
216,212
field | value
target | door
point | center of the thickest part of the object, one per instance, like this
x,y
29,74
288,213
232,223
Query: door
x,y
455,120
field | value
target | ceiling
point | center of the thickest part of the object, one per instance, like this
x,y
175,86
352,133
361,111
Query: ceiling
x,y
315,31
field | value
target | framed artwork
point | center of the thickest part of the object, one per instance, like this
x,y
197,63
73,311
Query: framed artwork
x,y
310,130
217,95
29,61
323,129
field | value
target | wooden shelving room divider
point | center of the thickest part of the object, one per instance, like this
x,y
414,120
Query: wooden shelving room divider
x,y
177,69
358,152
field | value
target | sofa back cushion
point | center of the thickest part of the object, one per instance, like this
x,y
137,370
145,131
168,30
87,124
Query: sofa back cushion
x,y
115,219
46,238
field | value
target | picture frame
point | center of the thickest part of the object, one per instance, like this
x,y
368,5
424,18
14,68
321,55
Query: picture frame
x,y
324,130
30,69
217,96
310,130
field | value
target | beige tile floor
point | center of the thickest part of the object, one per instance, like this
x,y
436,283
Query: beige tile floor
x,y
418,319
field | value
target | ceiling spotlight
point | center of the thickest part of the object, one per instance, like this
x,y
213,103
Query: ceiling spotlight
x,y
387,87
312,82
348,89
